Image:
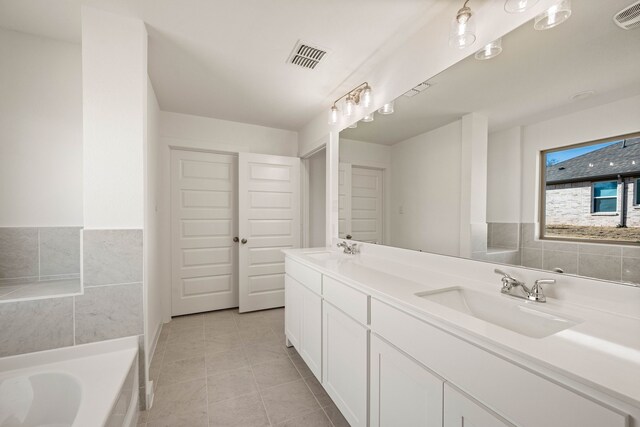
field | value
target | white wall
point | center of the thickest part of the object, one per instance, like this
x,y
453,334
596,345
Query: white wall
x,y
503,176
152,290
425,183
202,133
114,66
40,131
616,118
317,166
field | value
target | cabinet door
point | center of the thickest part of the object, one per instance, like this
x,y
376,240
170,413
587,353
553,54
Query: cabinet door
x,y
311,333
462,411
403,393
345,363
292,310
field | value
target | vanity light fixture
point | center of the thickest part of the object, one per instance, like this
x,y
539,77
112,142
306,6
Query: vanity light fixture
x,y
554,16
463,31
353,126
518,6
387,108
491,50
361,94
368,118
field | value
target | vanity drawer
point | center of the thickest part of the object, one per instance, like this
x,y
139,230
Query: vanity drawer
x,y
309,277
519,395
350,301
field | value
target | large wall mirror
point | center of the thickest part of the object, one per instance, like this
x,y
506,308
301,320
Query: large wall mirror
x,y
40,167
529,158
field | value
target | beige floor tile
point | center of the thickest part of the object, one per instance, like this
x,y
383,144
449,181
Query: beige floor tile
x,y
197,418
245,411
260,353
178,398
184,350
220,327
313,419
336,417
231,384
182,370
142,418
290,400
274,373
225,361
318,391
185,336
186,322
301,365
219,314
222,342
260,335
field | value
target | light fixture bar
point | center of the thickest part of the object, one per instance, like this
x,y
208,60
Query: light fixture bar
x,y
361,93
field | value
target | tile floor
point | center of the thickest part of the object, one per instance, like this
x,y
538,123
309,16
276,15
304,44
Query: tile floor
x,y
229,369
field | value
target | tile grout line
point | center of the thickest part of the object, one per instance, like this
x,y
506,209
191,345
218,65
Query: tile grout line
x,y
311,391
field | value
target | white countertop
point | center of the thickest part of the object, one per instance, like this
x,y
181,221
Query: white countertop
x,y
602,352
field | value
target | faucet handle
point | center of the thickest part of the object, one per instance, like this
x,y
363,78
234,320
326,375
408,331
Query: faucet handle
x,y
536,293
502,273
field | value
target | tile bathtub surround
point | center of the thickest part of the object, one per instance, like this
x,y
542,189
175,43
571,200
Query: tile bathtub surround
x,y
36,325
18,252
229,369
112,257
503,235
107,312
59,251
36,254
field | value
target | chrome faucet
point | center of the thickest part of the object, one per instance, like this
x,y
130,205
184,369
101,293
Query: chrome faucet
x,y
534,294
350,249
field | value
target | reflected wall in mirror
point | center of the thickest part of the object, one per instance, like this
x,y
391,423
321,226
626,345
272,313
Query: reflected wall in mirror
x,y
40,166
458,168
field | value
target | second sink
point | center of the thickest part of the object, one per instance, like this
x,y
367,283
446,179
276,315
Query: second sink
x,y
501,310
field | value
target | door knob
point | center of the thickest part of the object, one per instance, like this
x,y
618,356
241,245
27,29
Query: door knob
x,y
235,239
243,241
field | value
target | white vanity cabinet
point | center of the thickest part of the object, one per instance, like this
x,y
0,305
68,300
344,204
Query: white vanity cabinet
x,y
293,310
462,411
345,358
403,393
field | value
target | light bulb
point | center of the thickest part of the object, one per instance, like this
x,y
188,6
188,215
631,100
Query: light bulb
x,y
366,97
354,125
491,50
368,118
349,106
518,6
463,29
554,16
333,115
387,108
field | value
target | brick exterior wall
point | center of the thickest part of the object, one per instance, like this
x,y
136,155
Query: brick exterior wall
x,y
571,204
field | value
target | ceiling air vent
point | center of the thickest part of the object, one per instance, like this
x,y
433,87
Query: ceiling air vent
x,y
417,89
629,17
306,56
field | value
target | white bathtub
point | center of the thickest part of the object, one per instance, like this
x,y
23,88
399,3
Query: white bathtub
x,y
83,386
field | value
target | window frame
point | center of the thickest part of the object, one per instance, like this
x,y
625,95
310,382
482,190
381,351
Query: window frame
x,y
542,183
636,192
594,197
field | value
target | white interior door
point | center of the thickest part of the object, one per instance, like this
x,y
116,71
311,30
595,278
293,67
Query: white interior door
x,y
269,221
203,225
366,204
344,200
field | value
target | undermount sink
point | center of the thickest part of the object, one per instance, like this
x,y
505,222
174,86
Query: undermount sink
x,y
322,255
501,310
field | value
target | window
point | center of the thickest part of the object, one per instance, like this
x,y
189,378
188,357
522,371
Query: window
x,y
591,191
605,196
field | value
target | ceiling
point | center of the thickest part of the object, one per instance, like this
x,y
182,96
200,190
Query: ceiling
x,y
227,58
532,80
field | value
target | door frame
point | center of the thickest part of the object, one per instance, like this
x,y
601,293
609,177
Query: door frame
x,y
305,219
